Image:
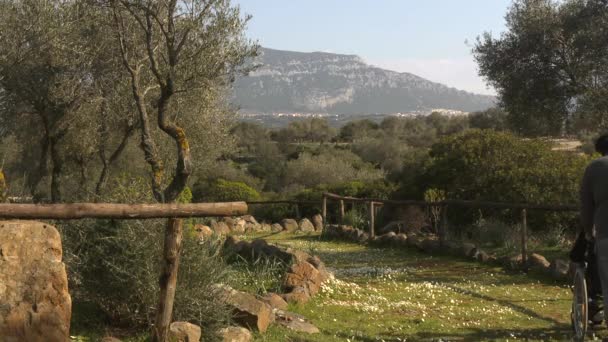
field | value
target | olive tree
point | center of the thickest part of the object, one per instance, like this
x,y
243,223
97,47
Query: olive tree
x,y
174,52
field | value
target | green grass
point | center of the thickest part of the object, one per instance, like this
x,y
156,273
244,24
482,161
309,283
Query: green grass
x,y
383,294
399,295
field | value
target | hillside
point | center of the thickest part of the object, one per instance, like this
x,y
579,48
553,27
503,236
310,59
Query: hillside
x,y
321,82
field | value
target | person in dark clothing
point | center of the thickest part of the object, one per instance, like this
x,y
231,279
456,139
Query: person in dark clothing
x,y
594,211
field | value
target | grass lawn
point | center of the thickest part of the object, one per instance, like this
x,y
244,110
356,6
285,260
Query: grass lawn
x,y
402,295
383,294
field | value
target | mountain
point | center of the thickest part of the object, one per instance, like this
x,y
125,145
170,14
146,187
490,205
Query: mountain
x,y
319,82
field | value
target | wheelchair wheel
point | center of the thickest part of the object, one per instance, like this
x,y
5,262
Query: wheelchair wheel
x,y
580,304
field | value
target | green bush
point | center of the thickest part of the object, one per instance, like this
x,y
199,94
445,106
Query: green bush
x,y
355,219
221,190
115,265
496,166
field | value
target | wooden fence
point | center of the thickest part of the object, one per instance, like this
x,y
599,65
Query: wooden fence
x,y
443,228
172,241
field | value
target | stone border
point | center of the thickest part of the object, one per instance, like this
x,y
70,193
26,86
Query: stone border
x,y
305,273
557,269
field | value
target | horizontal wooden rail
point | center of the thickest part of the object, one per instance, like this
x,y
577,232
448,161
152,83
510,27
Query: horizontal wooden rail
x,y
281,202
476,204
119,211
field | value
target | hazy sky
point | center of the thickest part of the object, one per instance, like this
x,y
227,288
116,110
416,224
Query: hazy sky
x,y
424,37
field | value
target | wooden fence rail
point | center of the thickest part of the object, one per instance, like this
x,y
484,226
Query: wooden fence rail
x,y
119,211
442,229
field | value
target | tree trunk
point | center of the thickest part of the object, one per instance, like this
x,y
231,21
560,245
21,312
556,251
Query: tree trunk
x,y
168,278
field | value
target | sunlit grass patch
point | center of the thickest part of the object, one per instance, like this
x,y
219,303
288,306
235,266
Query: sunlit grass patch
x,y
401,294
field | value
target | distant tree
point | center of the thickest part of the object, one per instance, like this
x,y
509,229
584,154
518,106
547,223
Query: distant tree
x,y
328,167
549,65
249,134
493,118
357,129
308,130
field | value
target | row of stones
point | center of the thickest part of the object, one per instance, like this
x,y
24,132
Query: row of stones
x,y
248,224
558,269
305,274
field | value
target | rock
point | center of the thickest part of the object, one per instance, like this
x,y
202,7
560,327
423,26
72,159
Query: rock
x,y
413,241
230,222
559,269
248,311
468,249
220,228
34,301
235,334
317,221
537,261
430,246
394,226
289,225
513,262
297,295
305,275
306,225
203,232
275,228
274,300
364,237
184,332
239,226
295,322
265,227
110,339
386,239
401,240
252,228
250,219
482,256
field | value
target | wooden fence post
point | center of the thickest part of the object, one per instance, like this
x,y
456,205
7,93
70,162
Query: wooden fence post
x,y
524,238
342,212
372,232
443,225
324,210
168,278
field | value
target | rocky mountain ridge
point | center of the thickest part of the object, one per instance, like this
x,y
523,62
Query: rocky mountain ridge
x,y
320,82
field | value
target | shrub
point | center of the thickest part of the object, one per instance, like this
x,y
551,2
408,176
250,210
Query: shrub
x,y
355,219
259,276
221,190
495,166
116,266
329,167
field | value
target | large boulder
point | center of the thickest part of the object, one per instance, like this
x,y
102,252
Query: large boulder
x,y
34,301
184,332
306,225
248,311
289,225
303,274
235,334
317,221
538,262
